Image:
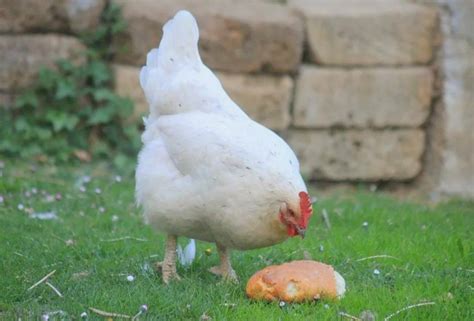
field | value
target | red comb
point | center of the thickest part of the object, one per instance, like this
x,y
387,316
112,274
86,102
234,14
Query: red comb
x,y
305,207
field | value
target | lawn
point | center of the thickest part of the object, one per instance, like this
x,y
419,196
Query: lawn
x,y
98,242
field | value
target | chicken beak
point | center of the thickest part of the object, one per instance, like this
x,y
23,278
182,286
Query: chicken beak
x,y
301,231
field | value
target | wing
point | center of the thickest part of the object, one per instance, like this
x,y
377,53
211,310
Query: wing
x,y
206,145
159,181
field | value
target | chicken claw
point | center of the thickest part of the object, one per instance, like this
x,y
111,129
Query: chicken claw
x,y
225,269
168,265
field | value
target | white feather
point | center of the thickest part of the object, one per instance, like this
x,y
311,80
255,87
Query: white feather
x,y
187,256
340,285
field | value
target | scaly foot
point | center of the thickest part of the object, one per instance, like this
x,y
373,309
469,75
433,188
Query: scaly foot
x,y
168,274
226,274
225,269
168,266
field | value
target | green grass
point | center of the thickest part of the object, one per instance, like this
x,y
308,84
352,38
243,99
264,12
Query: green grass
x,y
433,247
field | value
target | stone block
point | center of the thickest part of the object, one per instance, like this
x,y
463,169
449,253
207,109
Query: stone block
x,y
362,97
24,16
24,55
368,33
359,155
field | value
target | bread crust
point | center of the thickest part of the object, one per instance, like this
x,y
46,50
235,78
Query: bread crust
x,y
295,281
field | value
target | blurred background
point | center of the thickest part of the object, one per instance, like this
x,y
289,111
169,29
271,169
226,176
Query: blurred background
x,y
376,92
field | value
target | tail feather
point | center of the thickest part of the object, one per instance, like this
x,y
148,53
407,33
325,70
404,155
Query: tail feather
x,y
174,78
180,37
178,48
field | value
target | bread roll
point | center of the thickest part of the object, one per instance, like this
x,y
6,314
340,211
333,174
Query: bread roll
x,y
295,282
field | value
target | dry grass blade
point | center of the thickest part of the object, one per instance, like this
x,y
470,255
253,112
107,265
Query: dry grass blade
x,y
42,280
54,289
109,314
325,216
381,256
125,238
348,316
408,308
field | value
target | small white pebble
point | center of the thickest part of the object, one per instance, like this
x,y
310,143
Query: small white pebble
x,y
377,272
101,209
34,190
282,304
82,189
365,224
98,190
84,315
118,178
21,207
115,218
130,278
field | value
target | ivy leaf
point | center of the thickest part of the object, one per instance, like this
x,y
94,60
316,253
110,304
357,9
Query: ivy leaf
x,y
43,133
98,72
66,66
101,116
118,27
21,125
47,79
61,120
124,106
27,99
65,90
103,94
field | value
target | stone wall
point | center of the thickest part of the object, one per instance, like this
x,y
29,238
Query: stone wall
x,y
363,90
457,170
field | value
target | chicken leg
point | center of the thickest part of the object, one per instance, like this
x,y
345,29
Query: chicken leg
x,y
225,268
168,266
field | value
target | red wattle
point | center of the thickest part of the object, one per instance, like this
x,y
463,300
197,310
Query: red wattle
x,y
291,230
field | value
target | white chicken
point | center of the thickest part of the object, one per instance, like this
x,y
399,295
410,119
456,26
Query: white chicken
x,y
206,170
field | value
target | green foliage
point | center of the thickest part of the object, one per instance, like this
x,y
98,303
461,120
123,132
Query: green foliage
x,y
72,107
111,26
